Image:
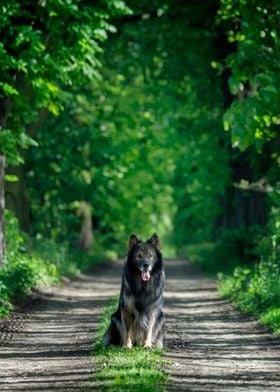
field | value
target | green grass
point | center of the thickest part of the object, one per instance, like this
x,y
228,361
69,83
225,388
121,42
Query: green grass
x,y
136,369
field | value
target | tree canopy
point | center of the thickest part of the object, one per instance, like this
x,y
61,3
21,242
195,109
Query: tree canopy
x,y
141,116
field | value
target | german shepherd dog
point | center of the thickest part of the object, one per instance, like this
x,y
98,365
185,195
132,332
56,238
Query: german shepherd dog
x,y
139,320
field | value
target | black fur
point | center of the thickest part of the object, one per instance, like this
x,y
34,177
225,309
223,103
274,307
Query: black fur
x,y
140,302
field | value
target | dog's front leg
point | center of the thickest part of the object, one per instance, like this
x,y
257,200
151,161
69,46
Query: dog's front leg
x,y
127,324
148,336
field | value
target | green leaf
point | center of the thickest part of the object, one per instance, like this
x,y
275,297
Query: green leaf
x,y
11,178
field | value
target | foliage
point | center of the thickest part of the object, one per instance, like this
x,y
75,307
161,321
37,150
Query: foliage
x,y
252,119
111,176
231,248
201,162
46,46
131,124
24,270
19,277
126,161
68,260
137,146
137,368
256,289
5,303
16,239
210,257
36,263
237,246
253,27
271,317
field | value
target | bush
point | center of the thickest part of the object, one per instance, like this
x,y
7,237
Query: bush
x,y
255,291
56,257
5,304
35,262
272,318
19,277
15,239
25,268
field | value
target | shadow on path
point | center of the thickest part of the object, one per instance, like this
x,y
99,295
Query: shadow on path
x,y
214,347
47,347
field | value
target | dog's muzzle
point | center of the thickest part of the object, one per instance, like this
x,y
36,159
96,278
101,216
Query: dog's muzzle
x,y
145,271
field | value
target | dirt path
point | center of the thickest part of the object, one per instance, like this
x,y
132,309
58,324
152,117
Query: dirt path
x,y
213,347
48,348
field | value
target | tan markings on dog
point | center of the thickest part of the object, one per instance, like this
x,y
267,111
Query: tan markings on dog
x,y
149,334
128,341
126,331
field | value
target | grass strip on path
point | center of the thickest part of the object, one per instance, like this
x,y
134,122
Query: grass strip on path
x,y
137,368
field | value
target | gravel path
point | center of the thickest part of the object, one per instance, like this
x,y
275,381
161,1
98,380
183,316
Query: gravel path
x,y
212,346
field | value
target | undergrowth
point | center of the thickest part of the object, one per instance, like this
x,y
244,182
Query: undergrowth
x,y
255,290
35,263
136,369
229,251
248,269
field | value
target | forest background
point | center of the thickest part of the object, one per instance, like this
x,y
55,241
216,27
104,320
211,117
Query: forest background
x,y
120,117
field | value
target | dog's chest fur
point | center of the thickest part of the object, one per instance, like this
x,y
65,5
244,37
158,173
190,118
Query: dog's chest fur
x,y
140,298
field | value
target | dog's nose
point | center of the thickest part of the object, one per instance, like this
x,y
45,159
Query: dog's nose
x,y
146,265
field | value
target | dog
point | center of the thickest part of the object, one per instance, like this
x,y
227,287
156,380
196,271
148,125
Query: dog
x,y
139,319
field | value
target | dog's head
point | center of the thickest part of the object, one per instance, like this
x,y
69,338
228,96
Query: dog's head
x,y
144,257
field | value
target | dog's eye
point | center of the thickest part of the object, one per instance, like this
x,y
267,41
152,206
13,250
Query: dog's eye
x,y
150,255
139,256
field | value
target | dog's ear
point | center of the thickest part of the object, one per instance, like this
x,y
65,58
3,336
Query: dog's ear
x,y
133,240
154,240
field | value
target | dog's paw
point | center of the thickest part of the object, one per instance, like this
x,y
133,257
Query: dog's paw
x,y
148,345
128,345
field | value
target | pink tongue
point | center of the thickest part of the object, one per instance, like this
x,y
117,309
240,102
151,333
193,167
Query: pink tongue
x,y
145,275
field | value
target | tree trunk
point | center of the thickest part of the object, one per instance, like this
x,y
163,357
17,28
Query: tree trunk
x,y
17,197
86,234
2,210
4,110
